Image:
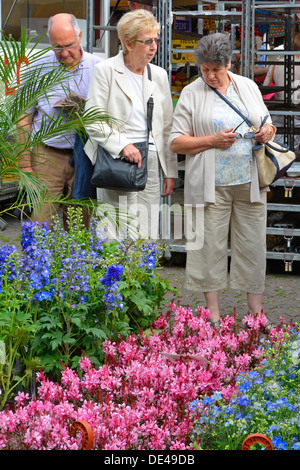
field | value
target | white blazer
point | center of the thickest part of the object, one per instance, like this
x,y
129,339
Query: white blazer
x,y
109,90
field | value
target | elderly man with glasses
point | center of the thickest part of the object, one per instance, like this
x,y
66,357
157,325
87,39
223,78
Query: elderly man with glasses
x,y
51,161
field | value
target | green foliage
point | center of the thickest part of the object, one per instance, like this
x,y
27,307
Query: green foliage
x,y
17,328
77,291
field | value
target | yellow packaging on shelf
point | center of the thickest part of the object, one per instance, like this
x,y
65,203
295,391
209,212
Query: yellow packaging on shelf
x,y
185,56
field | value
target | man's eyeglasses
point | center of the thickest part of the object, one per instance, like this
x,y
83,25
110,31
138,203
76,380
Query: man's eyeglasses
x,y
148,42
66,48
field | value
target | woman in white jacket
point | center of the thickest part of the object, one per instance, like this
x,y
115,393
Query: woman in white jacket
x,y
120,86
221,180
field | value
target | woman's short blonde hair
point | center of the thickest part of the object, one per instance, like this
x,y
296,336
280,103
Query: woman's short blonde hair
x,y
133,23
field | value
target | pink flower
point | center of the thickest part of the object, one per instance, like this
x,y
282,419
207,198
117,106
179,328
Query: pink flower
x,y
139,398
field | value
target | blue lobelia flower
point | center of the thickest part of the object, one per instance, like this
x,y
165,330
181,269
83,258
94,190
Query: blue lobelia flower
x,y
278,443
207,401
296,446
243,401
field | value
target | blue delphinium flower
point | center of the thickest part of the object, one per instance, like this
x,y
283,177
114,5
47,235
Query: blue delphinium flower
x,y
43,295
82,299
36,259
112,275
33,234
113,300
150,257
37,268
7,261
96,237
73,280
111,297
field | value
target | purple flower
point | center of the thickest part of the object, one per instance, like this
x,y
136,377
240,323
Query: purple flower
x,y
112,275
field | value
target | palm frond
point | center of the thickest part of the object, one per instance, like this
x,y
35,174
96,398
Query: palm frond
x,y
25,77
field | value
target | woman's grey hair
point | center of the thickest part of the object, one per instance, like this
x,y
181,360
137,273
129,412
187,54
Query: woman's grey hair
x,y
214,48
74,24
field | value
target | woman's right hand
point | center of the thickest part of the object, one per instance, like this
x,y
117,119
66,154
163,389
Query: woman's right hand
x,y
225,138
132,155
191,145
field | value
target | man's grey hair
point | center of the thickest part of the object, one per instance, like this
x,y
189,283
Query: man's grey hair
x,y
214,48
74,24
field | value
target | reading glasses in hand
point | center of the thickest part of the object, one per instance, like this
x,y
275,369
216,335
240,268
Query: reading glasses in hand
x,y
247,135
250,134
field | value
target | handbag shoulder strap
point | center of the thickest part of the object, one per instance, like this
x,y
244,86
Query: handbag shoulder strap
x,y
232,106
149,72
236,109
150,103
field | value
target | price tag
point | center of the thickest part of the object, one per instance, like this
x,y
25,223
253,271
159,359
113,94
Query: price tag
x,y
288,192
288,266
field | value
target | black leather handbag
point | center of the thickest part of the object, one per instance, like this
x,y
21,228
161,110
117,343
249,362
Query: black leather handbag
x,y
118,173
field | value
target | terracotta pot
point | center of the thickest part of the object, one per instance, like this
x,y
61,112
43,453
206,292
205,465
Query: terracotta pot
x,y
86,429
260,438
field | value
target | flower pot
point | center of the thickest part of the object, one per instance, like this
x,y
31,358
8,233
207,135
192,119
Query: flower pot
x,y
257,438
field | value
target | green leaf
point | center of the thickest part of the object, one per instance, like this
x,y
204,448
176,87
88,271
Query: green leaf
x,y
143,303
97,332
